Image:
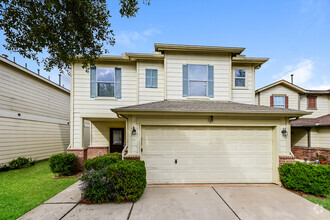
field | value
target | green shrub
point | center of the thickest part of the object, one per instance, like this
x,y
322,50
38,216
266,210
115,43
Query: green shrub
x,y
20,162
124,180
4,167
308,178
63,164
103,161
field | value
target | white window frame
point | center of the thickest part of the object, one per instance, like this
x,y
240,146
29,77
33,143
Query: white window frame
x,y
234,79
107,82
279,105
195,80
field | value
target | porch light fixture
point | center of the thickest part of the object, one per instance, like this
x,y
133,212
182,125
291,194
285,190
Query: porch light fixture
x,y
284,132
211,118
133,131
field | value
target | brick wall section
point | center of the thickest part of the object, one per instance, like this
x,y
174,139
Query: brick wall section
x,y
309,153
81,155
96,151
286,159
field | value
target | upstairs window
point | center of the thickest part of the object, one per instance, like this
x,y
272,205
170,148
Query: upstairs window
x,y
105,78
279,101
240,76
105,82
151,78
198,80
311,102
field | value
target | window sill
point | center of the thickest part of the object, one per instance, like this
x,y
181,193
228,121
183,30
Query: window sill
x,y
241,88
199,97
105,98
311,109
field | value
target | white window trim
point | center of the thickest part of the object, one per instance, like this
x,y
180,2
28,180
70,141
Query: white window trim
x,y
274,101
246,76
194,80
108,82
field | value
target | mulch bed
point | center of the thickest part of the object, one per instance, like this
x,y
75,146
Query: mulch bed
x,y
77,175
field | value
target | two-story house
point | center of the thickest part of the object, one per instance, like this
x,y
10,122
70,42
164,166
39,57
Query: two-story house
x,y
311,133
187,111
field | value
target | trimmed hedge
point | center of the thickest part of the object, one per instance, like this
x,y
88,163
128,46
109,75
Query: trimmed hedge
x,y
21,162
308,178
124,180
63,164
103,161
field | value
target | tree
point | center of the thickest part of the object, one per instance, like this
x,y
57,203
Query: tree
x,y
68,30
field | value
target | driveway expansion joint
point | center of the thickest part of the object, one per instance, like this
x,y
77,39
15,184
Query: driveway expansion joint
x,y
69,211
226,203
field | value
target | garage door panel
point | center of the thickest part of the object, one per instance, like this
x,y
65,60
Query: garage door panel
x,y
207,154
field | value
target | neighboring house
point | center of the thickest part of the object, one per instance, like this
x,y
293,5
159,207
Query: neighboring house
x,y
187,111
311,133
34,114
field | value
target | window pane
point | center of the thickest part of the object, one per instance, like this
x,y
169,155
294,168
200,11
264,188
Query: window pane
x,y
239,73
197,72
240,82
105,74
279,101
117,138
105,89
148,82
154,82
197,88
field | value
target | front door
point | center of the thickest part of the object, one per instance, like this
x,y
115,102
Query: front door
x,y
116,140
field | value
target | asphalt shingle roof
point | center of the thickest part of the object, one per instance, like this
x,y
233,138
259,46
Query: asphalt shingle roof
x,y
312,122
207,107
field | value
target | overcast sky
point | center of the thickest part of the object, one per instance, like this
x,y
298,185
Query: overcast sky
x,y
294,34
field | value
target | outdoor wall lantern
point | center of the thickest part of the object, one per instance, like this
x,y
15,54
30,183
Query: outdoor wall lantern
x,y
133,131
211,118
284,132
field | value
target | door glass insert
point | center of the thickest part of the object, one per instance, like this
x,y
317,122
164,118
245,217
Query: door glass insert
x,y
117,137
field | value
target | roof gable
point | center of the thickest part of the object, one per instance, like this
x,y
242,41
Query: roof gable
x,y
282,82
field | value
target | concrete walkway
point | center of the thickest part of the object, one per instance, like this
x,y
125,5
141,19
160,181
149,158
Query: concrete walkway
x,y
189,202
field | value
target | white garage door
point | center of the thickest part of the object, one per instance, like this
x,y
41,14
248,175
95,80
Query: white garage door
x,y
207,154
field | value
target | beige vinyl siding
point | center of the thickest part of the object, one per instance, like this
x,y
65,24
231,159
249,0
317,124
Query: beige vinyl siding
x,y
34,116
84,105
299,137
101,132
322,105
280,90
23,93
151,94
320,137
25,138
222,69
244,95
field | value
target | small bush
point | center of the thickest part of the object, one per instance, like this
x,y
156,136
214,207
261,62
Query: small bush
x,y
103,161
307,178
20,162
63,164
120,181
4,167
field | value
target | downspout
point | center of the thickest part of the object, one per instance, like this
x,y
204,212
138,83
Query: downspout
x,y
290,120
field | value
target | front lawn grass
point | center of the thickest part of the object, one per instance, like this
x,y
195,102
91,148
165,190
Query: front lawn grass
x,y
325,202
24,189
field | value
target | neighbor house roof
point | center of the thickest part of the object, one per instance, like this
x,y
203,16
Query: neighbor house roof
x,y
197,48
282,82
312,122
199,106
31,73
319,92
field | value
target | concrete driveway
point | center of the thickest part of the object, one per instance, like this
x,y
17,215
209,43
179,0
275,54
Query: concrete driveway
x,y
187,202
